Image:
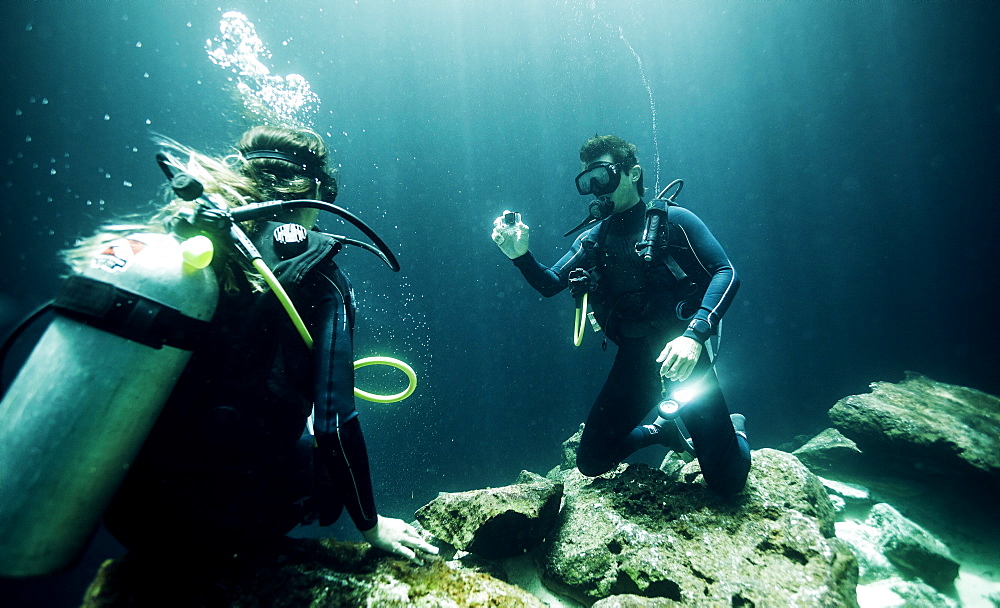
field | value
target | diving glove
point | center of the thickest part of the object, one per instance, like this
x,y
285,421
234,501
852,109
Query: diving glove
x,y
511,236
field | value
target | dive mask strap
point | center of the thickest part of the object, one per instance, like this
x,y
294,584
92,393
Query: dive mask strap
x,y
308,163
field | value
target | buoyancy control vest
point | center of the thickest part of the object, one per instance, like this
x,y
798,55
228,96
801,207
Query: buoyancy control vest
x,y
634,296
253,377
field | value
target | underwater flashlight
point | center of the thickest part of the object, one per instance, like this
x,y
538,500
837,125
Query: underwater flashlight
x,y
685,394
668,409
670,406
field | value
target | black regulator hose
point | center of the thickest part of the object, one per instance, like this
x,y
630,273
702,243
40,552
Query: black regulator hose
x,y
256,211
189,188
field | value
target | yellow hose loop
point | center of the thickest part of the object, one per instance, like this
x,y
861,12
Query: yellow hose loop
x,y
400,365
300,326
579,322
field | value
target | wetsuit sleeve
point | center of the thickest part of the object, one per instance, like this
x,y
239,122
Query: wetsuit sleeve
x,y
550,281
341,443
708,260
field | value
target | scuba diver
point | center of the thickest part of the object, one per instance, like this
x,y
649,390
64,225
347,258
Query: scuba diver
x,y
659,283
230,462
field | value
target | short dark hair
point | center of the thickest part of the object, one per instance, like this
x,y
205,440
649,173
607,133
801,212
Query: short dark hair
x,y
617,148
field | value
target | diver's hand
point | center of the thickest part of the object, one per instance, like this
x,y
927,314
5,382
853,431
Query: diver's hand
x,y
511,238
397,536
678,358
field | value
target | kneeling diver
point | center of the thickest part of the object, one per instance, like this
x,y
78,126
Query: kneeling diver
x,y
659,283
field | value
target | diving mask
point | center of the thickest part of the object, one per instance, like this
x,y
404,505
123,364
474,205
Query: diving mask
x,y
599,178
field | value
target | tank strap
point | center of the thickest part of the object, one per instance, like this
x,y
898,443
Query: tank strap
x,y
129,315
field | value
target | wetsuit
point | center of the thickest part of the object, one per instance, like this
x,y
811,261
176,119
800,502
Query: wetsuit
x,y
641,306
228,463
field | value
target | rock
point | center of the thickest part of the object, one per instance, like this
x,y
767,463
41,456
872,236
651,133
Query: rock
x,y
495,522
638,532
634,601
830,451
913,549
568,460
921,427
795,443
889,547
299,572
848,491
898,592
863,539
848,499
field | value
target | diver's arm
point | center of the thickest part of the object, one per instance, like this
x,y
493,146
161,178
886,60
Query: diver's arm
x,y
709,259
338,431
513,239
550,281
341,444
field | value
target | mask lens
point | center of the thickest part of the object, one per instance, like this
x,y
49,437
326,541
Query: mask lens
x,y
598,179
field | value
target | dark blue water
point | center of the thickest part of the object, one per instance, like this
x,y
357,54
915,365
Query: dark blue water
x,y
845,154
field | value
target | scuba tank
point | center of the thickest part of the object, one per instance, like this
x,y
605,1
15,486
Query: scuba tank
x,y
85,400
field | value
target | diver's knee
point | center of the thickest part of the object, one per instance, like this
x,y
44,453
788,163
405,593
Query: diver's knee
x,y
730,475
591,466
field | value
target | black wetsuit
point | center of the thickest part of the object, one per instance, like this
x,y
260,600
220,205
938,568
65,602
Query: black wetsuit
x,y
228,464
642,306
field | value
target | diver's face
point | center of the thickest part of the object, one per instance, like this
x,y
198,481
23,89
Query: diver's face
x,y
626,194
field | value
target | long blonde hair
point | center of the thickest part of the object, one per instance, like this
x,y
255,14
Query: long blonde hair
x,y
233,179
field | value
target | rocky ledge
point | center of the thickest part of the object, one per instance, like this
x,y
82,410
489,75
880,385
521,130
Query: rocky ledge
x,y
855,516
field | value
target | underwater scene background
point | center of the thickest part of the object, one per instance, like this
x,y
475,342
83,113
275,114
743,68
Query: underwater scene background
x,y
844,154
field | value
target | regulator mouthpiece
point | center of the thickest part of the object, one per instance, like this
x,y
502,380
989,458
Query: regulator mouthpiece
x,y
601,207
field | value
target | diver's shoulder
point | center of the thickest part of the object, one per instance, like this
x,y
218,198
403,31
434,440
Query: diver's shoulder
x,y
592,233
683,215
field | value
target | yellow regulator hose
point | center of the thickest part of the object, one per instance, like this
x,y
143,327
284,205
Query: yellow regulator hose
x,y
293,314
286,302
391,362
579,321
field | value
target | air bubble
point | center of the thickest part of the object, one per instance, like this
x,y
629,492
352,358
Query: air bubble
x,y
239,49
649,92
